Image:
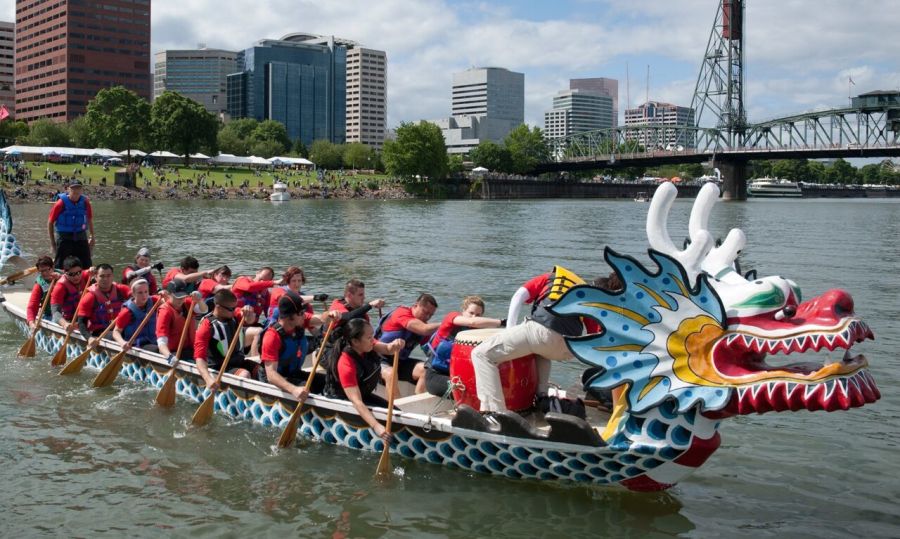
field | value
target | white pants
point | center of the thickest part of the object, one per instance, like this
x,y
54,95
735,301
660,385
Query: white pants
x,y
515,342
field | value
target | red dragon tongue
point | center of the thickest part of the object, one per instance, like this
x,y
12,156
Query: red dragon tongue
x,y
780,396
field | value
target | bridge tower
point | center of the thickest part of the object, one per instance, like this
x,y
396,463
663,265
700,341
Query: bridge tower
x,y
719,93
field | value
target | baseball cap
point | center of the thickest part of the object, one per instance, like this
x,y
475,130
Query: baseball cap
x,y
290,304
177,288
75,183
144,252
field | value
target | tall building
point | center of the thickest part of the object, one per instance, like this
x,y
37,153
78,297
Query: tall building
x,y
298,83
602,86
198,74
655,114
67,51
7,66
366,96
576,111
487,103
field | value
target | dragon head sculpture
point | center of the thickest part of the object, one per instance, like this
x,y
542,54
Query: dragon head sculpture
x,y
695,337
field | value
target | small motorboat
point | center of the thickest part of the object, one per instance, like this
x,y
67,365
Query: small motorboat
x,y
279,192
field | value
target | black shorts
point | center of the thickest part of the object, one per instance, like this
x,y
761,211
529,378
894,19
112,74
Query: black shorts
x,y
68,247
436,383
404,368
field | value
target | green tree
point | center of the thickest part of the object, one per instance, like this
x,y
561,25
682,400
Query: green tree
x,y
11,131
47,133
116,118
455,164
492,156
266,148
229,141
81,134
357,155
272,131
842,172
870,173
418,150
242,127
326,154
815,172
182,125
527,148
299,149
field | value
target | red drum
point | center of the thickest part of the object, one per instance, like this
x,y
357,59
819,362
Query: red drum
x,y
518,376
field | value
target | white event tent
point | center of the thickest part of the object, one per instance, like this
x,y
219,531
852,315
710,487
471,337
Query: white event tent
x,y
45,151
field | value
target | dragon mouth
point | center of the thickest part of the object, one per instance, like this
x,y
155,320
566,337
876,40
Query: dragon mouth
x,y
749,361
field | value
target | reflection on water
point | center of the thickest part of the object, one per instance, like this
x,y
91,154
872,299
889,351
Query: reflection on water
x,y
79,461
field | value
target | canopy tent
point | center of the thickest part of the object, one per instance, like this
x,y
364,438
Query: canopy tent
x,y
134,153
165,154
479,169
258,160
234,160
41,151
114,160
199,156
290,161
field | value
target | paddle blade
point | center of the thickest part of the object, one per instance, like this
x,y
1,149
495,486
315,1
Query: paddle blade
x,y
205,411
59,358
75,366
289,434
166,395
110,371
384,464
28,348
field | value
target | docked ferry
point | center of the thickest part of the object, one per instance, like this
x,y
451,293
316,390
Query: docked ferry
x,y
774,188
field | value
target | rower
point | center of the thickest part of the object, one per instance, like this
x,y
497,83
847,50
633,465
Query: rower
x,y
437,368
45,279
214,335
142,269
353,304
254,292
188,270
355,374
293,280
220,280
411,325
179,309
101,304
284,345
132,314
65,295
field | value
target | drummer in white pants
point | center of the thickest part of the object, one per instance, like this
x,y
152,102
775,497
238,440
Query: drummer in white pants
x,y
542,334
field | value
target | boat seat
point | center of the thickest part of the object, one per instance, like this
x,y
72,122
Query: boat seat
x,y
423,403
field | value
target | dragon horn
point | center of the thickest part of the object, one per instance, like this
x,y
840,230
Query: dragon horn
x,y
658,233
723,256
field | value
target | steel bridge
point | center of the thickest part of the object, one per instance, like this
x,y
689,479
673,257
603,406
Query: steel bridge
x,y
869,127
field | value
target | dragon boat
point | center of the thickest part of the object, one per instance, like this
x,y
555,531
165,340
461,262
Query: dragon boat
x,y
684,346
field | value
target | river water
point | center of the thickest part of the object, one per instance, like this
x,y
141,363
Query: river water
x,y
80,462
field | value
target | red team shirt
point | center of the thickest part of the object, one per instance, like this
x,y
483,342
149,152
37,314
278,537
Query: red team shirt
x,y
346,368
399,319
271,341
204,334
170,323
125,317
539,287
89,301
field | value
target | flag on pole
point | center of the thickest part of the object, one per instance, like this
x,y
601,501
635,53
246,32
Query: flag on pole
x,y
4,112
850,76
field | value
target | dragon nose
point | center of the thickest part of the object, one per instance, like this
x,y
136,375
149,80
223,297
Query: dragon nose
x,y
839,301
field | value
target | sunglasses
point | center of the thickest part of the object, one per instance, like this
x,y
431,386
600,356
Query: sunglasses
x,y
73,273
227,307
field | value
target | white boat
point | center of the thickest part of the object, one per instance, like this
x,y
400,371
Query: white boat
x,y
641,197
774,188
717,179
279,192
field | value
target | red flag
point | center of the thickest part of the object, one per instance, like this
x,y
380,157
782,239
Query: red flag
x,y
4,113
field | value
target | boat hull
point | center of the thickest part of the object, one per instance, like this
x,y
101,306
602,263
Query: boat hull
x,y
638,461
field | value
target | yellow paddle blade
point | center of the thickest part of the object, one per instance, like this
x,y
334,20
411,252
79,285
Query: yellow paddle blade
x,y
59,358
289,434
384,463
166,395
110,371
75,366
28,348
205,411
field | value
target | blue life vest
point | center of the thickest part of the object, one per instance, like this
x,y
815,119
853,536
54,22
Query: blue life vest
x,y
220,340
148,334
45,289
388,337
73,219
293,351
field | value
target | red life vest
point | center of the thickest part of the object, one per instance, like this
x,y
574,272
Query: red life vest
x,y
106,308
70,300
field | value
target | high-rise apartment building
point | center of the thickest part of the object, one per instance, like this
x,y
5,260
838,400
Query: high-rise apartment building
x,y
366,96
67,51
299,83
7,66
602,86
577,111
487,103
198,74
656,114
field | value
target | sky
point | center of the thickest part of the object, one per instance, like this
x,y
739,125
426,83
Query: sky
x,y
799,54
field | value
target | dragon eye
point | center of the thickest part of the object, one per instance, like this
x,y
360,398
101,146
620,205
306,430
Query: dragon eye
x,y
771,299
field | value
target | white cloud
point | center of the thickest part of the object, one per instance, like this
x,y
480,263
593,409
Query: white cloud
x,y
797,53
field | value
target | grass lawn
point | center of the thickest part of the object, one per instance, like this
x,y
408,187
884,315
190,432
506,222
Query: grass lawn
x,y
92,174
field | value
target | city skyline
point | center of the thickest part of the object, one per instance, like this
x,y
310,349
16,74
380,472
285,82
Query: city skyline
x,y
797,59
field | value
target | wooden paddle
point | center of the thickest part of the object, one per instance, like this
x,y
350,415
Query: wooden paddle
x,y
166,395
28,348
16,276
59,358
205,411
384,463
77,364
111,370
289,434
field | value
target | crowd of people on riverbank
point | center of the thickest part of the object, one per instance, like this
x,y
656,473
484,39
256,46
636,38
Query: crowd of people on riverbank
x,y
194,314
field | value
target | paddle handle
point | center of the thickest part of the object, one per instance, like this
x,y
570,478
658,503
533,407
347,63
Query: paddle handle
x,y
43,309
321,349
234,341
390,413
188,319
19,275
143,323
73,324
105,331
